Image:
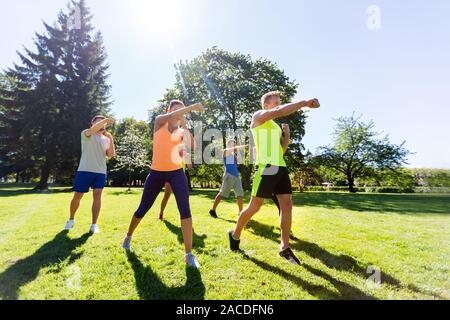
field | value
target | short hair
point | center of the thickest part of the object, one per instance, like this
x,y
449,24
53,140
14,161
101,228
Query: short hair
x,y
98,117
173,103
231,141
269,95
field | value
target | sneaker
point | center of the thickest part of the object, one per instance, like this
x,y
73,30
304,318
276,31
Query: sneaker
x,y
94,229
127,244
213,213
191,261
289,256
69,225
234,244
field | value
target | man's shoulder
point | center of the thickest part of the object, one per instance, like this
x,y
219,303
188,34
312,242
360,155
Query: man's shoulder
x,y
84,134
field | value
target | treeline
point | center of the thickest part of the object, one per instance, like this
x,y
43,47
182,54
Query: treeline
x,y
406,180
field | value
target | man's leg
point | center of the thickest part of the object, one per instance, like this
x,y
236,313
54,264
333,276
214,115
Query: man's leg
x,y
96,205
240,202
286,205
239,191
75,204
246,215
217,202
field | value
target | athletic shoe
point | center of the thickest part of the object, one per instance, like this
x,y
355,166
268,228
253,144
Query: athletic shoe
x,y
213,213
289,256
127,244
191,261
234,244
69,225
94,229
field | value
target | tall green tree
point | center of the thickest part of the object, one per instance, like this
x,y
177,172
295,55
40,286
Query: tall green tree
x,y
358,152
59,87
131,154
118,172
231,85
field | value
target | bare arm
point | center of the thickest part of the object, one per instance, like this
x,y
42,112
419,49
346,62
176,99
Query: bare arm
x,y
98,126
286,140
165,118
283,111
228,151
111,152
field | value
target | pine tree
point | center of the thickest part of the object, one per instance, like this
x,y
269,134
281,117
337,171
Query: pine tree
x,y
60,87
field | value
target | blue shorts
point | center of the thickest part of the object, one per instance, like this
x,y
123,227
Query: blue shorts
x,y
86,180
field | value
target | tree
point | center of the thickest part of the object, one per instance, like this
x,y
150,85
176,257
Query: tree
x,y
356,151
117,174
306,172
58,89
231,85
131,153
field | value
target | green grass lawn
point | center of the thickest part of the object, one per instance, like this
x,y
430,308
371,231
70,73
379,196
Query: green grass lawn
x,y
340,235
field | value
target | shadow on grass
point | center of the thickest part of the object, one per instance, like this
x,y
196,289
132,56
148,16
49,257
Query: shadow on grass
x,y
332,261
126,192
346,291
12,192
26,270
395,203
198,241
151,287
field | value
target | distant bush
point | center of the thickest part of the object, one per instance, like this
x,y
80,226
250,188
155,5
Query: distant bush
x,y
314,188
361,189
432,190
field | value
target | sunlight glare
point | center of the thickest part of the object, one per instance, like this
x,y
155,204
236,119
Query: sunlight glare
x,y
158,18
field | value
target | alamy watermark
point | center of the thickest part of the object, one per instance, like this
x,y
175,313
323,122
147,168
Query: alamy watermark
x,y
374,18
74,18
374,279
73,280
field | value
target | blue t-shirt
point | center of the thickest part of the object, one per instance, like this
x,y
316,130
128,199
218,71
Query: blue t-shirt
x,y
231,165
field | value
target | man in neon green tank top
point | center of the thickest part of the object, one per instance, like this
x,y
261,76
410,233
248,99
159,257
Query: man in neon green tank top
x,y
272,176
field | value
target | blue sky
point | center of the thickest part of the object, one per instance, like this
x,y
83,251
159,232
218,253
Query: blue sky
x,y
397,75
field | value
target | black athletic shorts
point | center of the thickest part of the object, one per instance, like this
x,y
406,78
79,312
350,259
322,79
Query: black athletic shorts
x,y
271,180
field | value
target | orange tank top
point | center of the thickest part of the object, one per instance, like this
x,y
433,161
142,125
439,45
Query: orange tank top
x,y
166,150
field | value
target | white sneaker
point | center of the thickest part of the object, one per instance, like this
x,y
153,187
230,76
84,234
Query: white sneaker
x,y
69,225
127,244
191,261
94,229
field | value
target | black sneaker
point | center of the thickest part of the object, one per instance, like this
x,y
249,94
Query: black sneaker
x,y
213,213
234,244
289,256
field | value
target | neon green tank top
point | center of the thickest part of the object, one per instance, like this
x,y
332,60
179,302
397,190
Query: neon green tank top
x,y
267,139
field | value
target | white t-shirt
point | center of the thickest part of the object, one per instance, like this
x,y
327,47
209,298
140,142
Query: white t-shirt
x,y
93,153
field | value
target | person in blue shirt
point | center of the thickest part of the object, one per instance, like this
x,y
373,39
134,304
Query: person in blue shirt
x,y
231,179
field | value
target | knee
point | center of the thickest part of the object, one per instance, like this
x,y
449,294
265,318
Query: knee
x,y
77,197
139,215
286,207
256,204
185,215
